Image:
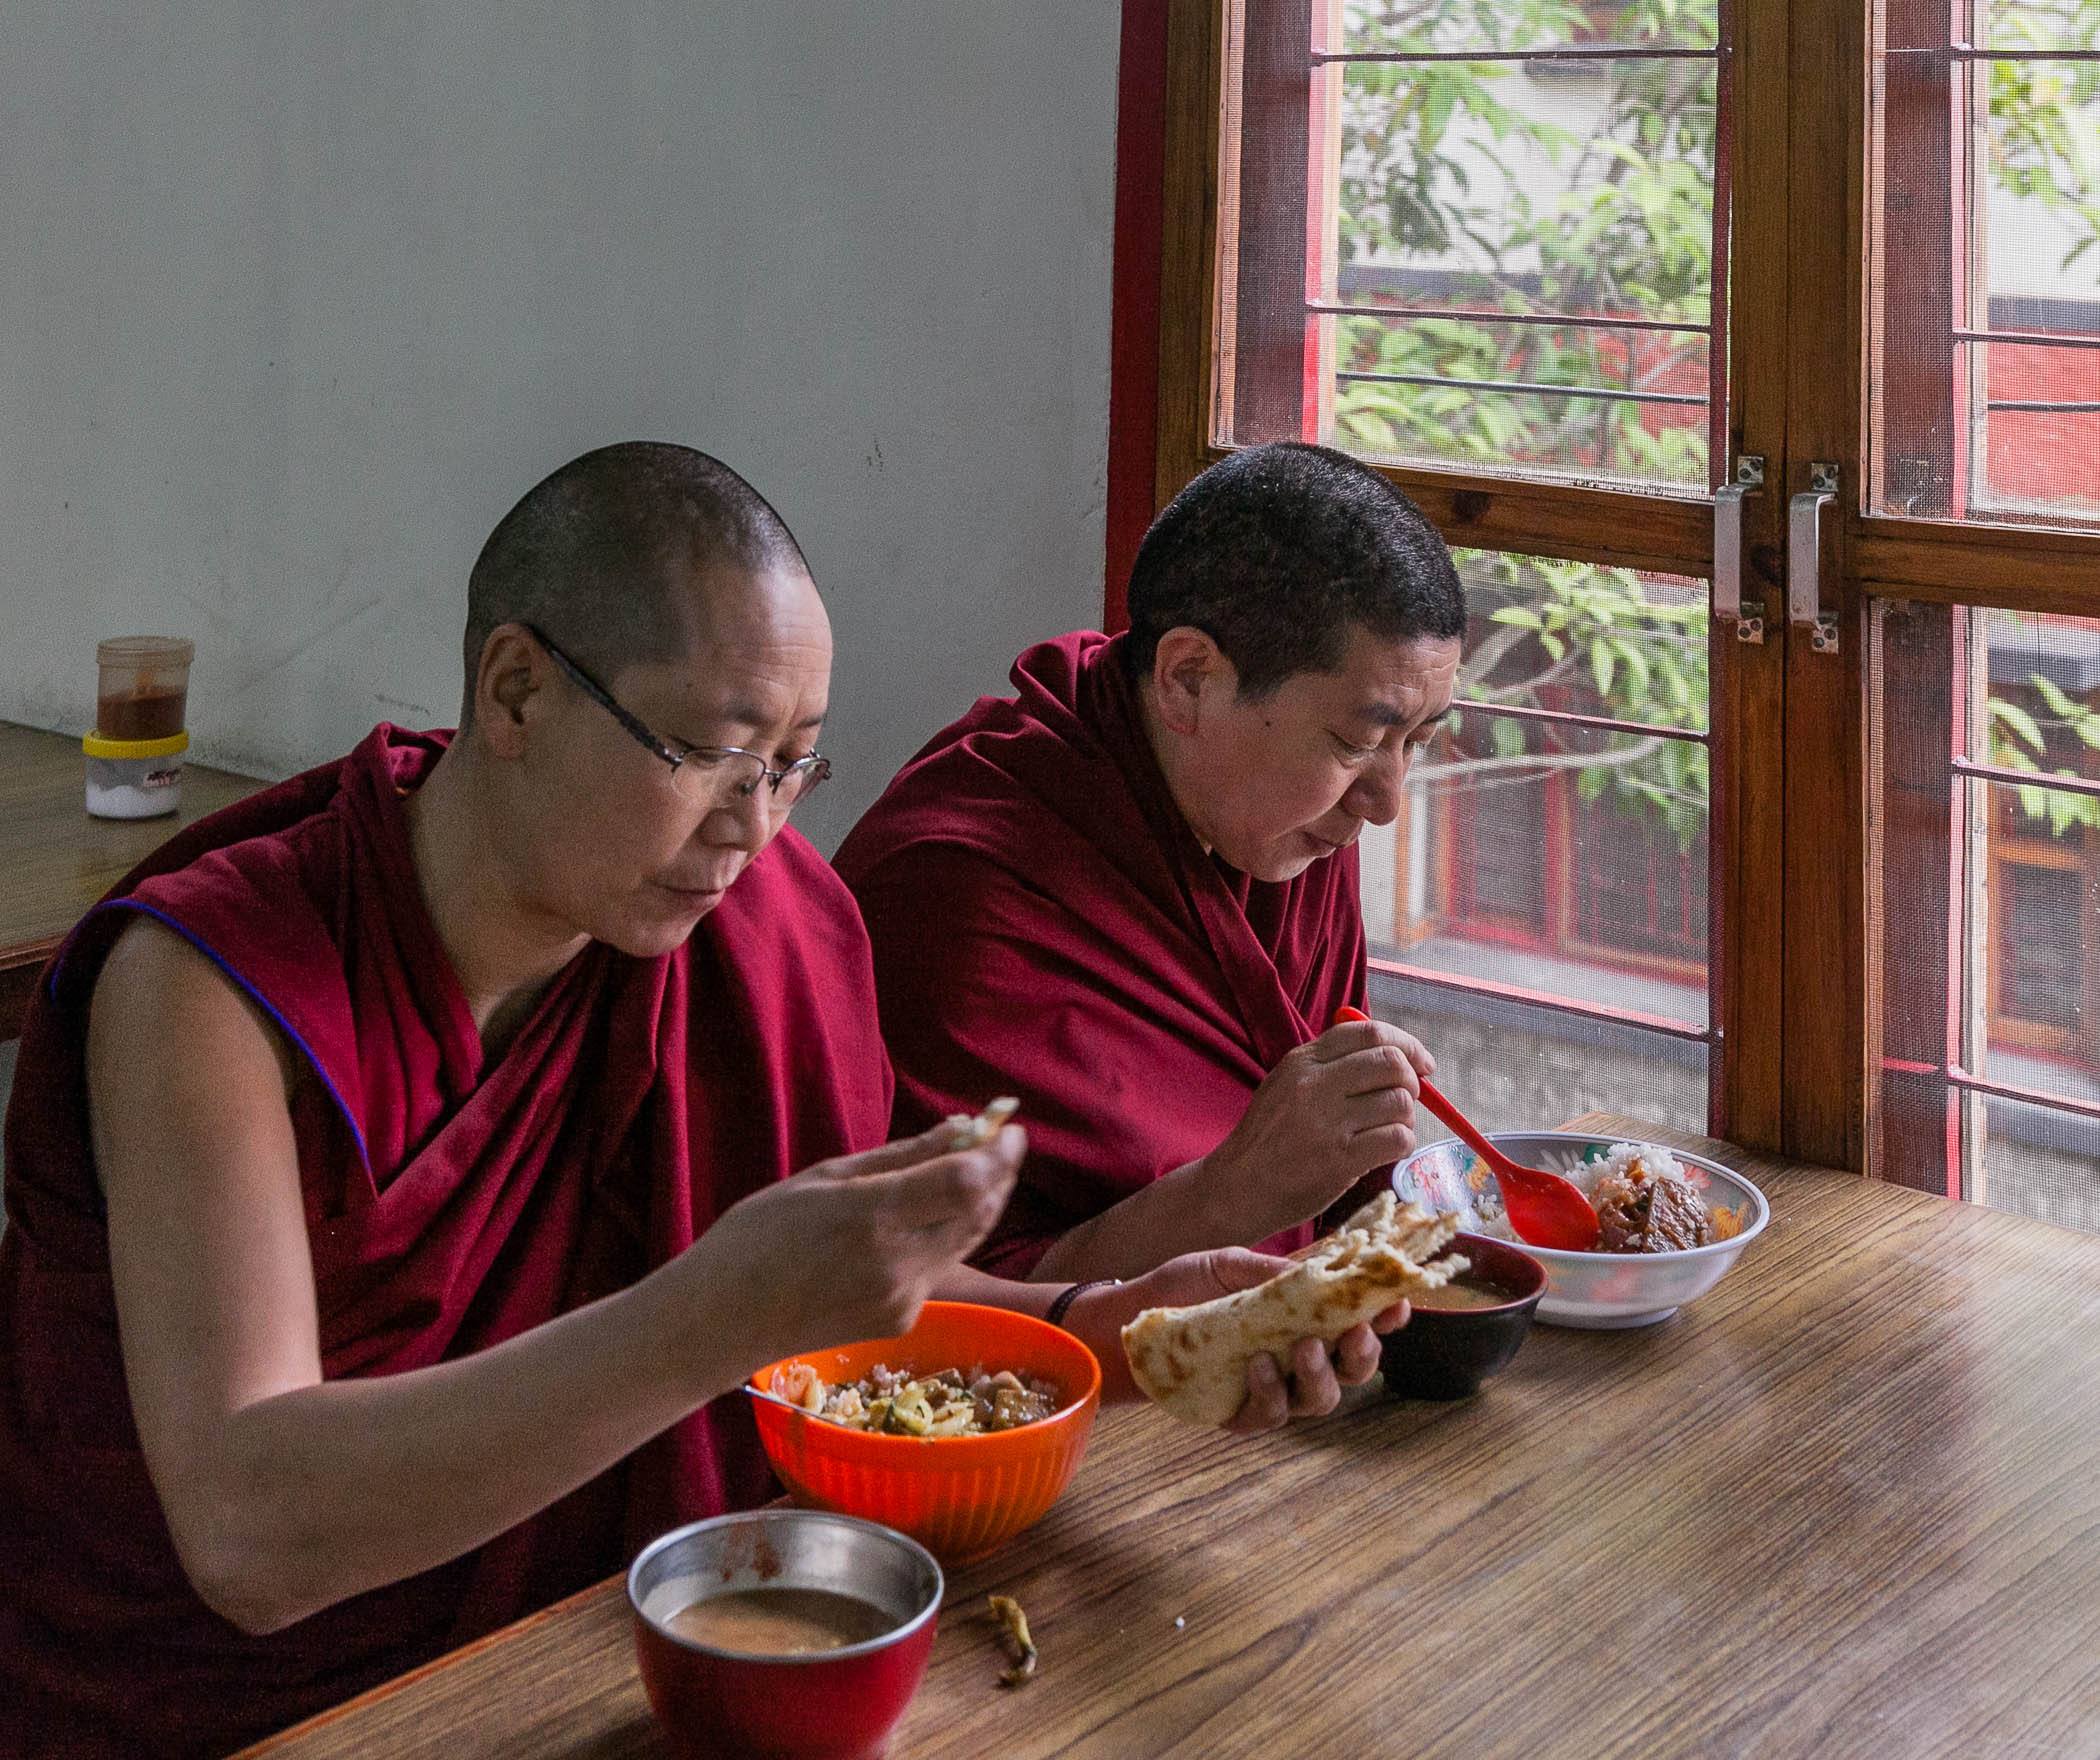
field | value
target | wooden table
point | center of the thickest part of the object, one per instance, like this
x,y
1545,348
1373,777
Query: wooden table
x,y
1846,1504
55,861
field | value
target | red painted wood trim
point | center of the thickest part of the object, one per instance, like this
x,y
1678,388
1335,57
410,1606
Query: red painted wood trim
x,y
1133,349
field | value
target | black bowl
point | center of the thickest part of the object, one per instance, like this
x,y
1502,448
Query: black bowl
x,y
1445,1353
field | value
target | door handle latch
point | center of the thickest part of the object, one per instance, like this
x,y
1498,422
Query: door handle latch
x,y
1728,548
1804,558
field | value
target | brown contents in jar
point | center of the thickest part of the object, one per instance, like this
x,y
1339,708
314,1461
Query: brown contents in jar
x,y
147,714
780,1622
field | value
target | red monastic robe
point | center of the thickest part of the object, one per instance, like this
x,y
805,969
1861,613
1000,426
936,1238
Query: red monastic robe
x,y
449,1207
1045,924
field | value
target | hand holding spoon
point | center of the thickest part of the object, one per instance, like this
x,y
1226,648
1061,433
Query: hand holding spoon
x,y
1544,1209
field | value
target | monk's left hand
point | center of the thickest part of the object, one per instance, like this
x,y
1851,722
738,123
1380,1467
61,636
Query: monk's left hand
x,y
1308,1385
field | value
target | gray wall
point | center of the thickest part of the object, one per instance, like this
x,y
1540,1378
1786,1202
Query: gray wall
x,y
298,299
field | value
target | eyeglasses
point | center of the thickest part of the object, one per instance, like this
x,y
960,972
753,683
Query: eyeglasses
x,y
701,770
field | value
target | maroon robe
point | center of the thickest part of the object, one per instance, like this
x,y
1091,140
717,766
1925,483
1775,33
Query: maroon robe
x,y
448,1208
1045,924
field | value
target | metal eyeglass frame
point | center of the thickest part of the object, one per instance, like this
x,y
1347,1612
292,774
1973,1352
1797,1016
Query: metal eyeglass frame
x,y
815,768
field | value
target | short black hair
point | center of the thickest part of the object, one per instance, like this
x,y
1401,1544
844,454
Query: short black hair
x,y
1278,553
601,554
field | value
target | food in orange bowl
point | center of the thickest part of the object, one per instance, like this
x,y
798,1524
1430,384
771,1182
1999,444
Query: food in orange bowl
x,y
959,1496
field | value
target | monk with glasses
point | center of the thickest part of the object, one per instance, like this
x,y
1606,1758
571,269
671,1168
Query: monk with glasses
x,y
404,1164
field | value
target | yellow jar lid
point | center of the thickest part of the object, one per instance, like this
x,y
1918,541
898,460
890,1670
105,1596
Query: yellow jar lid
x,y
97,747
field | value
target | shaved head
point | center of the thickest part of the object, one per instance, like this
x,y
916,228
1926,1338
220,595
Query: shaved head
x,y
1278,553
611,556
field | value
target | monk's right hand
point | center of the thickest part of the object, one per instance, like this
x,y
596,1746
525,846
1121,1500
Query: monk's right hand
x,y
849,1248
1326,1115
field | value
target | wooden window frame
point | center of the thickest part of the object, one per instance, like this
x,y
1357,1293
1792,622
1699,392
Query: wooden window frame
x,y
1670,535
1910,574
1798,810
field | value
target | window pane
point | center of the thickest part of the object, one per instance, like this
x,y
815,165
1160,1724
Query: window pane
x,y
1514,1068
1985,367
1372,28
1404,235
2039,1162
1989,939
1588,400
2042,1023
1553,849
2041,24
1537,856
1637,890
2038,947
1620,643
2042,159
2038,435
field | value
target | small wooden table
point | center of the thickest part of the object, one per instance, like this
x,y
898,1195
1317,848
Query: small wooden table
x,y
55,861
1845,1504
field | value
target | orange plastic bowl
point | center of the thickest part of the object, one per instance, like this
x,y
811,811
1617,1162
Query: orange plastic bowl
x,y
959,1496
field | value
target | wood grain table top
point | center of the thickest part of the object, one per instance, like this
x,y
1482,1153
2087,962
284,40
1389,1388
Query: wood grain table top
x,y
55,861
1845,1504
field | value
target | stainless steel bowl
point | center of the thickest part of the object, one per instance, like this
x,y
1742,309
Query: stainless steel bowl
x,y
843,1704
787,1549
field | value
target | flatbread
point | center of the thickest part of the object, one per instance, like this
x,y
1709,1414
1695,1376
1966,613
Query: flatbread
x,y
1193,1361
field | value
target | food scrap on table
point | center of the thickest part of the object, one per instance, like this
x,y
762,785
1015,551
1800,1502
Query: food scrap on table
x,y
1013,1635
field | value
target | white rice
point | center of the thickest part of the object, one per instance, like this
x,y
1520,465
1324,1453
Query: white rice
x,y
1620,1158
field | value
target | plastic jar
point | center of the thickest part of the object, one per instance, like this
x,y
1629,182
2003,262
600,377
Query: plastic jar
x,y
134,778
143,692
134,756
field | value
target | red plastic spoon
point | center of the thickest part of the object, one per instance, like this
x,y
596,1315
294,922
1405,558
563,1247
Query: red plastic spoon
x,y
1544,1209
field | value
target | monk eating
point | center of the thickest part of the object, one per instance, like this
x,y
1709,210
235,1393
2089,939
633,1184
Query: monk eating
x,y
402,1162
1128,893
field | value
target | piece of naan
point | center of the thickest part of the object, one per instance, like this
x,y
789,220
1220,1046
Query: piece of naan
x,y
1193,1361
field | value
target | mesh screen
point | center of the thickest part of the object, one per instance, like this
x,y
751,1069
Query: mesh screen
x,y
1542,855
2041,993
1368,28
1591,401
1988,729
1986,225
2039,24
1506,263
1621,643
2039,1162
1510,1068
2038,435
1522,859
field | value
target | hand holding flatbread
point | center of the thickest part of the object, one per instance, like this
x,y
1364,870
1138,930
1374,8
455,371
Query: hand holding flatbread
x,y
1193,1361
